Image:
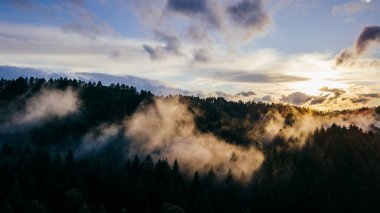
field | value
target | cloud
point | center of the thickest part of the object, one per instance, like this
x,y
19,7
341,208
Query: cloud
x,y
245,94
78,18
364,98
318,100
351,58
336,91
172,43
171,46
166,129
197,33
332,98
344,56
297,98
348,58
47,104
84,21
371,95
201,56
154,53
232,97
248,77
114,54
350,8
205,22
188,6
267,98
206,9
369,35
250,15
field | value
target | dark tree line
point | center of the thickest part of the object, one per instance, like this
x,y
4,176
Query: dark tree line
x,y
338,169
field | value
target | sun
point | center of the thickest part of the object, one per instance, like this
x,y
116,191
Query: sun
x,y
321,74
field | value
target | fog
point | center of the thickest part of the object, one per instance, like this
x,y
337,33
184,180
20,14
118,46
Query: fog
x,y
166,129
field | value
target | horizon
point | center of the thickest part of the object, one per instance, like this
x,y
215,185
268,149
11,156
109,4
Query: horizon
x,y
318,54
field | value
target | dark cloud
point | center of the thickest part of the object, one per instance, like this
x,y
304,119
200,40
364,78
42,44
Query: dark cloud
x,y
344,56
364,98
297,98
238,95
368,35
318,100
359,100
245,94
267,98
201,56
333,96
187,6
204,8
171,46
223,95
155,53
114,54
203,22
172,43
249,14
335,91
350,58
371,95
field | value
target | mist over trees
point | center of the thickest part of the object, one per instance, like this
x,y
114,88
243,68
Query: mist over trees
x,y
77,156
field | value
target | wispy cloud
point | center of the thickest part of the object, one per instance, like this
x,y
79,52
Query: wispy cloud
x,y
350,8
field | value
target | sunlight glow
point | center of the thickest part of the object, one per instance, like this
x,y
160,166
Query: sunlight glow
x,y
321,75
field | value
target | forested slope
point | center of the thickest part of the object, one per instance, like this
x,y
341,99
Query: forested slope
x,y
73,146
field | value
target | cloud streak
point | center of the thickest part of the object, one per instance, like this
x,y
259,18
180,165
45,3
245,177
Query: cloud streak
x,y
248,77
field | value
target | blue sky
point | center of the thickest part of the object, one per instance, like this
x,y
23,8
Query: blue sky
x,y
285,49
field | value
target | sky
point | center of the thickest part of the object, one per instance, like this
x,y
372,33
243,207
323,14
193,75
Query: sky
x,y
323,54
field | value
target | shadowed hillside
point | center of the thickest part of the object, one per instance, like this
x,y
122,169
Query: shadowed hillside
x,y
74,146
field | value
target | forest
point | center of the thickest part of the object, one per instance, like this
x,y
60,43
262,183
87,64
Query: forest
x,y
73,146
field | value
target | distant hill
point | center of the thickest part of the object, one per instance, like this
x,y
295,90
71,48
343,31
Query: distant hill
x,y
157,87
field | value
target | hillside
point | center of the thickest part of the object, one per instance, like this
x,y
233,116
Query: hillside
x,y
75,146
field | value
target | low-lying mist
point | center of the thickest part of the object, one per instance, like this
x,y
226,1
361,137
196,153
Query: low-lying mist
x,y
46,104
297,124
166,129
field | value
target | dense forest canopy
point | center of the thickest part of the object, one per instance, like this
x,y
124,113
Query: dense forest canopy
x,y
74,146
